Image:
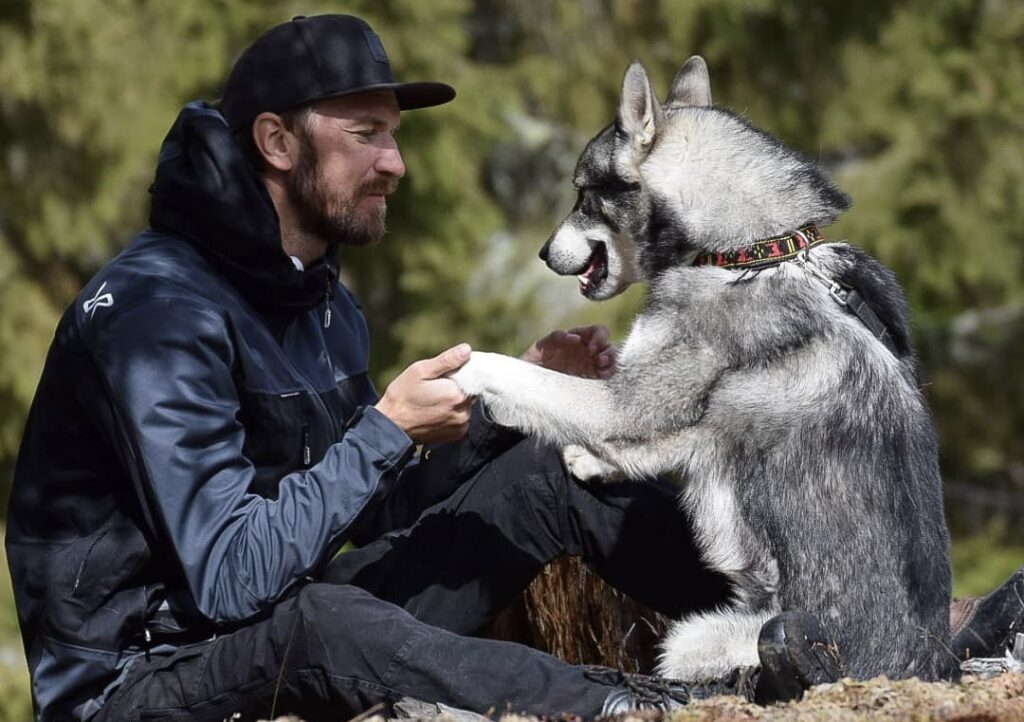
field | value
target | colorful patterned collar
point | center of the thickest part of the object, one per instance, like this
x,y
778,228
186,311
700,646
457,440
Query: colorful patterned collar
x,y
768,252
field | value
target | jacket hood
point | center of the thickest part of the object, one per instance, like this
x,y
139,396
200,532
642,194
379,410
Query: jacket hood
x,y
206,192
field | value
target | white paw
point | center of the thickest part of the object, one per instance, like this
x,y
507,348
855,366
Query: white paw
x,y
486,377
586,467
471,375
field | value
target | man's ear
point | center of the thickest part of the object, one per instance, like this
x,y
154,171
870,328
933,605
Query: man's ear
x,y
277,145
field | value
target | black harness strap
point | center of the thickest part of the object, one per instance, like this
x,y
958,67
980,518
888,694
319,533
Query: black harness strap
x,y
851,300
860,308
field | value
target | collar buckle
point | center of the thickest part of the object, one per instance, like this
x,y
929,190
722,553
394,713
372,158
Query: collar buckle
x,y
836,290
838,293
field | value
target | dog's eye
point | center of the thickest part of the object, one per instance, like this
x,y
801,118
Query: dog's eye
x,y
589,203
621,186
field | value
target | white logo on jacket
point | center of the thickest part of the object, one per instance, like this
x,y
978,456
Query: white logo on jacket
x,y
106,300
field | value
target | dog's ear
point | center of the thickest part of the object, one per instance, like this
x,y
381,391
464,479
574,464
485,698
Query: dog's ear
x,y
640,114
692,85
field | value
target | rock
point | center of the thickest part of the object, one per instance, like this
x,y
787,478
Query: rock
x,y
1012,661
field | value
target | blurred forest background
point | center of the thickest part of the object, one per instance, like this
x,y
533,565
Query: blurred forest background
x,y
915,106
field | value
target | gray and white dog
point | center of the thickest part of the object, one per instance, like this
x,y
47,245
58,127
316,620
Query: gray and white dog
x,y
802,443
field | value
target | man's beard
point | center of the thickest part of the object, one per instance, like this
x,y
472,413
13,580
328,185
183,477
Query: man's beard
x,y
335,221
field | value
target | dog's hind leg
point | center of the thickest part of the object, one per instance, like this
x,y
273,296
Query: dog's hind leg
x,y
712,644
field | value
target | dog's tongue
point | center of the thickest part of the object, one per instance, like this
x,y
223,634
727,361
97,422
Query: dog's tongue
x,y
597,261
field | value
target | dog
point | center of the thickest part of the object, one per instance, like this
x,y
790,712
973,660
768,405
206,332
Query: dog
x,y
769,372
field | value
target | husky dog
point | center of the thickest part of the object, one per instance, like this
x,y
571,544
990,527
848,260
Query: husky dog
x,y
781,391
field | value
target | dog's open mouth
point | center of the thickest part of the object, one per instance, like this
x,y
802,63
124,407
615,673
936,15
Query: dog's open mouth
x,y
596,271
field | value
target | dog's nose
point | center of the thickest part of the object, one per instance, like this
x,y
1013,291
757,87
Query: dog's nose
x,y
544,251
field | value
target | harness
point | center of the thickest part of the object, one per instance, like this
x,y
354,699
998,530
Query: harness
x,y
796,246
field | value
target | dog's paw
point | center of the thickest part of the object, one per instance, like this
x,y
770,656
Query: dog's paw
x,y
586,467
485,377
471,376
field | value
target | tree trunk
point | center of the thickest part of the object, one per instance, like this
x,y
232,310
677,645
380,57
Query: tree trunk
x,y
570,612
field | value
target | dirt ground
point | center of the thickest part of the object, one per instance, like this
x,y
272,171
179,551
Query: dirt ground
x,y
998,699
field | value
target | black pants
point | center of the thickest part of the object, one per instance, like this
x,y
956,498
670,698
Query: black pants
x,y
387,620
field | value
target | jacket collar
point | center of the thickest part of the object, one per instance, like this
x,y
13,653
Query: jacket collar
x,y
207,193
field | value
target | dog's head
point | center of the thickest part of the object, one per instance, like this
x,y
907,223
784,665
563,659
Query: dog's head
x,y
602,239
664,183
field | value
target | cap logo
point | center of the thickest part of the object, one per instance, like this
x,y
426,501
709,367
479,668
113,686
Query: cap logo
x,y
376,46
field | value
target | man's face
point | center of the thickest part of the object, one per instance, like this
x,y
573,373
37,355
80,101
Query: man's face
x,y
348,163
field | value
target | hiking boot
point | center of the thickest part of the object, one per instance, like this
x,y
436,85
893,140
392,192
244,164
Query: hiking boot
x,y
795,654
639,691
986,627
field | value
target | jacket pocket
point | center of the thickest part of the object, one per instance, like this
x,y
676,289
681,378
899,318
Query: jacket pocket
x,y
280,435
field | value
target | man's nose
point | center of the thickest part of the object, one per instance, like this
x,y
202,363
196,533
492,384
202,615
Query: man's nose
x,y
390,162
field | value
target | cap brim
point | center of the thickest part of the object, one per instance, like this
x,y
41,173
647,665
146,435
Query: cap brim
x,y
410,96
423,94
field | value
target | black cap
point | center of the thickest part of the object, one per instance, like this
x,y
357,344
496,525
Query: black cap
x,y
306,59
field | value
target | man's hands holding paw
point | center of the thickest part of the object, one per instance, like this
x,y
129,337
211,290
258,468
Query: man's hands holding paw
x,y
430,407
427,405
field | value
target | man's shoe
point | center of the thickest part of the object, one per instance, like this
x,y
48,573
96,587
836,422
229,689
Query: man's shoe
x,y
986,627
639,691
795,654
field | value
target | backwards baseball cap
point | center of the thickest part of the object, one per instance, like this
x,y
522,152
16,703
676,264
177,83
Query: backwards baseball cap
x,y
310,58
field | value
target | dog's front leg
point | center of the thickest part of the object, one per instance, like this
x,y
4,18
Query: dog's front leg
x,y
583,465
555,407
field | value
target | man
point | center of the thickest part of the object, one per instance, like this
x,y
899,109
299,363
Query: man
x,y
205,438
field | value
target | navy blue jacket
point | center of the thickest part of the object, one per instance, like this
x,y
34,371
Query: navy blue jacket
x,y
202,439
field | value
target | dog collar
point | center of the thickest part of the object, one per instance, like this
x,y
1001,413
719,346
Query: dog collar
x,y
768,252
794,247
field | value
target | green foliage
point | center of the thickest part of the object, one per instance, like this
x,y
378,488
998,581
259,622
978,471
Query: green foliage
x,y
929,122
982,562
15,699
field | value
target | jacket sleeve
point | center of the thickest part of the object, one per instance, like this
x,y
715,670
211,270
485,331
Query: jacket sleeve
x,y
171,386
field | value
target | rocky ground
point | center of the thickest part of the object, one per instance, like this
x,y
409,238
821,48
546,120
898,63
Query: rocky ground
x,y
997,699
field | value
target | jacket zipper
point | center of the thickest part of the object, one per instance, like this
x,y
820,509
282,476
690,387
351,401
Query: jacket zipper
x,y
306,453
301,378
327,304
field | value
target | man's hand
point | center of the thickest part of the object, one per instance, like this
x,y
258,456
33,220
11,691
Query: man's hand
x,y
581,351
424,404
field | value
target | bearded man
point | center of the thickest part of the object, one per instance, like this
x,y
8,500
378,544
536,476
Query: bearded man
x,y
205,438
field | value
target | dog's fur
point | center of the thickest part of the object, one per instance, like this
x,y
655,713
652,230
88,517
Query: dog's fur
x,y
803,446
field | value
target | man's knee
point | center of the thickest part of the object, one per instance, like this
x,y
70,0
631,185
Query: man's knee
x,y
343,625
346,610
532,464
